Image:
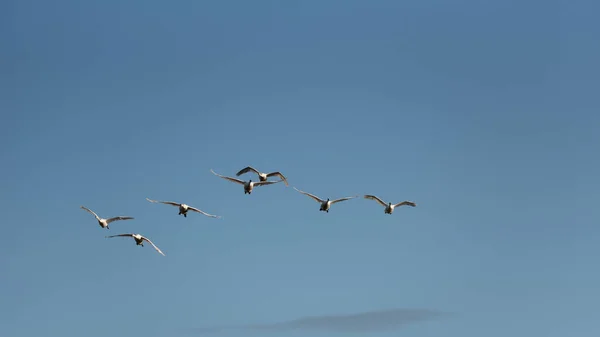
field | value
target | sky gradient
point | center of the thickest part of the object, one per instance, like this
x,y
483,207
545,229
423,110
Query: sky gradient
x,y
484,113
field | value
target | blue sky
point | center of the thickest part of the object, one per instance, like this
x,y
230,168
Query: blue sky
x,y
483,113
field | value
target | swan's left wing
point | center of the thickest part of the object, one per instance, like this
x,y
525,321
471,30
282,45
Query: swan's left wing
x,y
199,211
407,203
343,199
153,245
281,176
119,218
263,183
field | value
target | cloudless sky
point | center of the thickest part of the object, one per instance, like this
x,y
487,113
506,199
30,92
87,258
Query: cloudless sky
x,y
485,113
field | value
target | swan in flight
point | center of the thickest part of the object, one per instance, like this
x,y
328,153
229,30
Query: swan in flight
x,y
325,204
389,208
139,240
261,175
183,208
248,185
104,222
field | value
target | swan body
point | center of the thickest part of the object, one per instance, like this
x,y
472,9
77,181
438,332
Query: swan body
x,y
325,204
262,176
139,240
389,207
104,222
183,208
248,185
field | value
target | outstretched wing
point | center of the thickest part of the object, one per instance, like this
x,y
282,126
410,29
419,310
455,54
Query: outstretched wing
x,y
372,197
172,203
263,183
343,199
92,212
281,176
228,178
112,236
315,198
153,245
246,170
199,211
119,218
407,203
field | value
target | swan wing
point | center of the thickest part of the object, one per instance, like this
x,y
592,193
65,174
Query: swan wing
x,y
372,197
91,212
228,178
199,211
406,203
113,236
153,245
119,218
172,203
263,183
246,170
343,199
281,176
314,197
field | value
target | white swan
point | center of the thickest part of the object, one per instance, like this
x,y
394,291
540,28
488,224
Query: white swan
x,y
139,240
389,208
104,222
261,175
183,208
325,204
248,185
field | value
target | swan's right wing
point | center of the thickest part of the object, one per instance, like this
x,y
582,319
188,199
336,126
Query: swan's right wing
x,y
153,245
314,197
246,170
372,197
113,236
90,211
172,203
228,178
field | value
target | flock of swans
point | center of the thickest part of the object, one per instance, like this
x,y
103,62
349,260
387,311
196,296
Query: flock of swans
x,y
249,185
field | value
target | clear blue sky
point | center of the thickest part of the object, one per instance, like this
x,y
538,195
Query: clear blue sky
x,y
483,113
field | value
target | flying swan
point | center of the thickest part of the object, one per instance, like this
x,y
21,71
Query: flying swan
x,y
389,208
261,175
183,208
248,185
139,240
325,204
104,222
